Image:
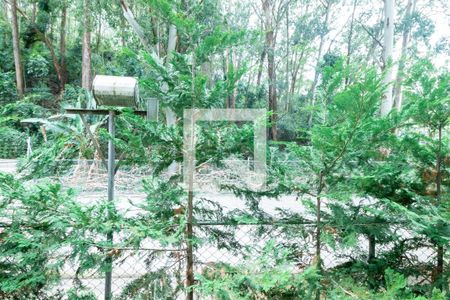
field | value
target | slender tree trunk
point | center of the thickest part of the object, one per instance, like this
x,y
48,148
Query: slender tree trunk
x,y
295,69
349,41
270,46
156,32
260,67
99,34
312,91
229,60
33,13
128,14
171,45
86,75
122,33
62,46
190,280
189,251
53,56
171,117
16,49
45,39
288,100
318,258
387,101
224,57
410,6
440,248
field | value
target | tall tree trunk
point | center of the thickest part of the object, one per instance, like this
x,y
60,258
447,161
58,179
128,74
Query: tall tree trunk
x,y
410,6
261,60
297,63
62,46
260,67
387,101
288,100
349,41
229,60
16,49
312,90
318,257
270,46
33,13
440,248
171,117
53,56
128,14
371,58
225,73
99,34
45,39
172,42
86,56
171,45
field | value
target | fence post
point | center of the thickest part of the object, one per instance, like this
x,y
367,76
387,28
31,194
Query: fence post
x,y
189,254
371,248
109,235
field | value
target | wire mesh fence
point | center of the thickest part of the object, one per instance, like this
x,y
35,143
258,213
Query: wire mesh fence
x,y
153,270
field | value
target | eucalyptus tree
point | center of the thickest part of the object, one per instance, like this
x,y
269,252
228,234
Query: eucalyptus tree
x,y
406,33
324,30
388,45
16,46
86,70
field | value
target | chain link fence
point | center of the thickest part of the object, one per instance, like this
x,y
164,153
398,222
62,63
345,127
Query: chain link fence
x,y
152,272
156,271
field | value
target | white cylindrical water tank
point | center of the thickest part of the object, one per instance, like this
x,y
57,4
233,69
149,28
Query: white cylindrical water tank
x,y
115,90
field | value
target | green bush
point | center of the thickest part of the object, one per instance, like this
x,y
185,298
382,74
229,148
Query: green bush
x,y
71,95
36,67
13,143
7,87
40,95
13,113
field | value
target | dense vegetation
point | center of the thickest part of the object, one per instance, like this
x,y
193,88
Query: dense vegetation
x,y
358,101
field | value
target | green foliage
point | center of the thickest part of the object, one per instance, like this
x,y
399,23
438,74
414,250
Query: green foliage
x,y
36,67
367,172
396,288
14,143
12,113
152,285
31,236
40,95
269,276
7,87
71,96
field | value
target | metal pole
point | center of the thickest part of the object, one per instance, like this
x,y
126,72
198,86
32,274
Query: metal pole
x,y
109,236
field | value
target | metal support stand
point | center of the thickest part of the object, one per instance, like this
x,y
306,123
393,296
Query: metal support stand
x,y
109,236
371,248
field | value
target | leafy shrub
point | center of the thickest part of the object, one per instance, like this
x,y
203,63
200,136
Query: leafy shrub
x,y
29,238
40,95
7,87
269,276
13,113
71,95
45,160
13,143
36,67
